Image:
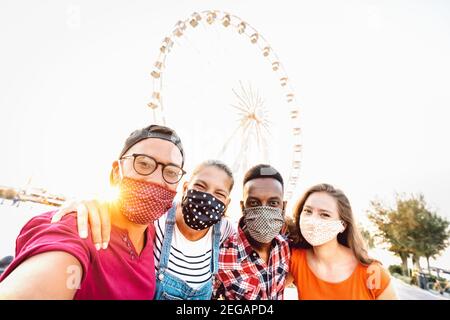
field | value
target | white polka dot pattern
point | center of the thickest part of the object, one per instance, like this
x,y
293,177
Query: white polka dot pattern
x,y
201,210
143,202
318,231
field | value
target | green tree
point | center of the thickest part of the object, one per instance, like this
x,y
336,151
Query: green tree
x,y
367,236
394,228
410,229
432,236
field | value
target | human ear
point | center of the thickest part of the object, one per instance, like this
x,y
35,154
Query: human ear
x,y
114,177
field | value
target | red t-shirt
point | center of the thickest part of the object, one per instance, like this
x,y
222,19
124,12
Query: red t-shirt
x,y
115,273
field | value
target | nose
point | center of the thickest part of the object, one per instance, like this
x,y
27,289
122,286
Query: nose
x,y
316,214
157,177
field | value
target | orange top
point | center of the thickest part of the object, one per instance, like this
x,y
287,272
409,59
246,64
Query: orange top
x,y
365,283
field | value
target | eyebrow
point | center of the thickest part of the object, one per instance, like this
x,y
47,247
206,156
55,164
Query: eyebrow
x,y
200,181
222,190
323,210
270,199
203,182
173,164
152,156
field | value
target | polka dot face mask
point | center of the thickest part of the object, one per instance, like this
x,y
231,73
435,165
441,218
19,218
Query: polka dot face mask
x,y
263,223
201,210
318,231
143,202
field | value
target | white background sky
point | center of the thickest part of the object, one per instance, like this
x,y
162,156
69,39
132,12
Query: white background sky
x,y
372,79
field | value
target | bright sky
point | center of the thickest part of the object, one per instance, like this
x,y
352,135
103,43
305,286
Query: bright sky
x,y
372,79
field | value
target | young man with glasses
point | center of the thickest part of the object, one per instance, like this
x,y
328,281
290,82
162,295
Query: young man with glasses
x,y
188,237
52,262
251,264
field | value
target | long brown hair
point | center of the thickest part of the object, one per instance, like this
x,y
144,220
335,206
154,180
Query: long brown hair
x,y
351,237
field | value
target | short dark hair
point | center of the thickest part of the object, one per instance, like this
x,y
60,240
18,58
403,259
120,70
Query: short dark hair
x,y
263,171
219,165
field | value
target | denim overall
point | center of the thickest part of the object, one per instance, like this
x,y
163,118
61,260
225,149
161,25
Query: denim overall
x,y
170,287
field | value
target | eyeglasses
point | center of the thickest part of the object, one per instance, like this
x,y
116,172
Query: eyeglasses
x,y
146,165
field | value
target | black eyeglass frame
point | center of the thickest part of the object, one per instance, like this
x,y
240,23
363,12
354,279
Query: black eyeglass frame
x,y
163,166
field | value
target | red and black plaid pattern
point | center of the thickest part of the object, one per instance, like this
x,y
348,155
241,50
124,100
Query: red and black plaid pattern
x,y
243,275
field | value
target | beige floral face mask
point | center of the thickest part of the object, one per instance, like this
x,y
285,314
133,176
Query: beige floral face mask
x,y
318,231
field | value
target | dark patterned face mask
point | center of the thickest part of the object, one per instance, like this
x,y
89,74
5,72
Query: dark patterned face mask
x,y
201,210
263,223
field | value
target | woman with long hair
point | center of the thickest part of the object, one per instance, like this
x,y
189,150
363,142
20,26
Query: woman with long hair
x,y
329,259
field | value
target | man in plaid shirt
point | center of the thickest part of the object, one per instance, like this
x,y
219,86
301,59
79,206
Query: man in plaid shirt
x,y
254,262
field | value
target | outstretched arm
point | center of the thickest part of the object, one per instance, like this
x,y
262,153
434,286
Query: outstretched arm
x,y
49,275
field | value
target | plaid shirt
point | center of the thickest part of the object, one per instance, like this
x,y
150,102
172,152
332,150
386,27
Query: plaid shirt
x,y
243,275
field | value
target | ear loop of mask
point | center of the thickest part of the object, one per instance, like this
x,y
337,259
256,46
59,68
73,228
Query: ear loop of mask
x,y
343,225
224,210
184,194
120,170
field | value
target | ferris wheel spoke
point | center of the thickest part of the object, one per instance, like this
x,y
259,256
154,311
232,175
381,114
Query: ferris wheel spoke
x,y
242,101
241,106
253,132
246,143
245,98
264,145
243,111
251,97
244,105
260,102
258,137
213,66
265,126
225,146
240,156
218,40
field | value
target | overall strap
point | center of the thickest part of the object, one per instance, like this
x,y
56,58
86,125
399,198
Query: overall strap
x,y
167,241
215,248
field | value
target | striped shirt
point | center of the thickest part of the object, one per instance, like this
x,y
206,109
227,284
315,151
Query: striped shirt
x,y
189,260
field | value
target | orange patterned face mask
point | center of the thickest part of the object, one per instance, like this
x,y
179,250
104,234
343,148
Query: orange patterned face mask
x,y
143,202
318,231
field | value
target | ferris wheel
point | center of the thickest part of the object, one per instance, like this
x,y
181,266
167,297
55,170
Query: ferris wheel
x,y
266,114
